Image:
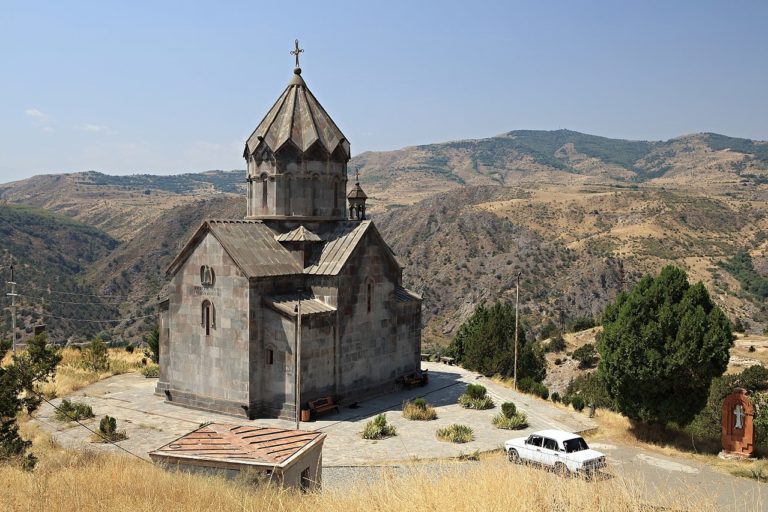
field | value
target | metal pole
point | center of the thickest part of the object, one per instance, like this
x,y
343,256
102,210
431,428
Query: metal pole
x,y
12,295
517,307
297,362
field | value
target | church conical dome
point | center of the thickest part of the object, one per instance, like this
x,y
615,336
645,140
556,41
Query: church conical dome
x,y
297,117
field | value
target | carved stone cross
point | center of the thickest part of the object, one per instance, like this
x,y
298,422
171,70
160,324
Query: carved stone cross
x,y
738,413
297,51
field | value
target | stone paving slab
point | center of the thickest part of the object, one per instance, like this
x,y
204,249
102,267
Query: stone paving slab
x,y
150,422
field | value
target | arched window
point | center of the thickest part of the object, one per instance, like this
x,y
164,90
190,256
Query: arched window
x,y
207,317
370,295
335,195
269,356
315,185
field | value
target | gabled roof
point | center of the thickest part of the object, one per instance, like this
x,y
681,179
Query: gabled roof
x,y
286,304
406,295
300,234
339,245
252,445
297,117
250,244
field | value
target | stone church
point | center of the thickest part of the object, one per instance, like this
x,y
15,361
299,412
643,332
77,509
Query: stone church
x,y
229,325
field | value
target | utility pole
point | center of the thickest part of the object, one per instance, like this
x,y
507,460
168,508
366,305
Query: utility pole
x,y
517,307
12,295
297,360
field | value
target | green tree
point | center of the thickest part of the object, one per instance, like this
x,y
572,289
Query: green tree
x,y
96,356
486,343
662,344
153,341
17,381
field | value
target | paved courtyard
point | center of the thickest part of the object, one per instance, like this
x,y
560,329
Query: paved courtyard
x,y
150,422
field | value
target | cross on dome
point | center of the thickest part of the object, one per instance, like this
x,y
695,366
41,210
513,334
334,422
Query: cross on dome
x,y
296,52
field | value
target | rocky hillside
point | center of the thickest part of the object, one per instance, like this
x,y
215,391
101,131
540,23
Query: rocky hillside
x,y
51,254
580,216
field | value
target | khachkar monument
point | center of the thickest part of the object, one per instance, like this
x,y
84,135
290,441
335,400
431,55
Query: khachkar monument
x,y
229,325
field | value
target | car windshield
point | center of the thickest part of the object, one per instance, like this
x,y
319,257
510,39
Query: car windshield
x,y
576,444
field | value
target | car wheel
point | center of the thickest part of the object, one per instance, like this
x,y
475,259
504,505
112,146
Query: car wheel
x,y
561,469
513,456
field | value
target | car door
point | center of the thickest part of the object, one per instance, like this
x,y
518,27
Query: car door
x,y
533,445
548,452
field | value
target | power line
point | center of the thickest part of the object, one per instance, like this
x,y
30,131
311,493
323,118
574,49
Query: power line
x,y
35,297
49,290
116,320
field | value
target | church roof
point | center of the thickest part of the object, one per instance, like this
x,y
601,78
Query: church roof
x,y
286,304
252,444
406,295
357,192
250,244
300,234
297,117
339,245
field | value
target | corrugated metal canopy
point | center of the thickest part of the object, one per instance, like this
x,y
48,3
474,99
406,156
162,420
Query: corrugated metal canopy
x,y
219,442
286,304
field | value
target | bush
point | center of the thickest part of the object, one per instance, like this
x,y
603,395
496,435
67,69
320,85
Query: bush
x,y
72,411
378,428
455,433
751,348
592,389
515,422
508,409
96,356
419,410
578,403
556,344
738,325
108,431
566,399
479,404
558,361
475,391
153,342
151,371
555,397
530,386
129,349
549,330
586,356
581,323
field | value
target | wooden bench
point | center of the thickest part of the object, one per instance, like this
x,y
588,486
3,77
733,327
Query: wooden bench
x,y
416,379
446,360
322,405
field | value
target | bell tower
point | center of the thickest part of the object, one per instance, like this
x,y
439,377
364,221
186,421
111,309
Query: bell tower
x,y
297,159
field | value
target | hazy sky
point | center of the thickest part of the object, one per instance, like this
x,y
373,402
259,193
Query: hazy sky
x,y
171,86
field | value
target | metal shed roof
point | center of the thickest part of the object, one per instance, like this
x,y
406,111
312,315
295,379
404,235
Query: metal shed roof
x,y
309,305
255,445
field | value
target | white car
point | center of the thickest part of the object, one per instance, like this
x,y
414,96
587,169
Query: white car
x,y
564,452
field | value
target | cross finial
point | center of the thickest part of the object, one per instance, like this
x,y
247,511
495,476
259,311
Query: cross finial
x,y
357,176
296,52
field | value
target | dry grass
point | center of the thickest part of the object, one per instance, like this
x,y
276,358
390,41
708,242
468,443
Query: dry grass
x,y
71,376
416,412
84,481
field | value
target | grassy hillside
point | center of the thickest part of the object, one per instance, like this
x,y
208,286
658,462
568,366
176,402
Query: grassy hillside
x,y
52,252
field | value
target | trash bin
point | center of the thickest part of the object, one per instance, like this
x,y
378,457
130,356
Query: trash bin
x,y
305,415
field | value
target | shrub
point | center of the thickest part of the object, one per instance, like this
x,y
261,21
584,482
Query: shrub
x,y
515,422
566,399
558,361
96,356
556,344
151,371
555,397
751,348
581,323
586,356
475,391
578,403
479,404
129,349
508,409
153,342
72,411
108,431
455,433
378,428
592,389
530,386
738,325
419,410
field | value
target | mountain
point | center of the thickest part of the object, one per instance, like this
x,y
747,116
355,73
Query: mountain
x,y
51,254
528,157
582,217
